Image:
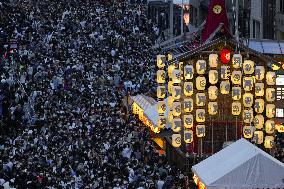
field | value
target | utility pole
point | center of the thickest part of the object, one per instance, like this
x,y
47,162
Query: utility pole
x,y
171,18
237,20
181,19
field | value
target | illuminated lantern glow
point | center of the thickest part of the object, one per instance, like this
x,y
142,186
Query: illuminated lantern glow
x,y
270,110
212,108
236,93
225,56
176,76
176,109
269,126
270,94
200,83
213,77
169,56
279,128
161,76
161,61
162,122
176,92
213,92
188,72
170,70
259,89
170,116
188,136
176,125
270,78
161,92
201,67
248,67
269,142
200,99
225,87
181,69
259,73
258,121
248,115
156,129
258,137
247,83
188,121
170,87
200,115
236,108
188,105
237,61
247,100
259,106
248,131
225,72
176,140
170,102
188,89
236,77
213,60
200,131
186,18
161,105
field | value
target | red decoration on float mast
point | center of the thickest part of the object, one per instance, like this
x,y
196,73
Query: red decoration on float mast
x,y
225,56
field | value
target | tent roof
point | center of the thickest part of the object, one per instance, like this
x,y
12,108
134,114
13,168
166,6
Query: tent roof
x,y
143,101
240,165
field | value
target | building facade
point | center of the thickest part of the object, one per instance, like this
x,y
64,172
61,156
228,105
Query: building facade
x,y
279,20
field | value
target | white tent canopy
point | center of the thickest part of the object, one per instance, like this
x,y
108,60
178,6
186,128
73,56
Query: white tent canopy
x,y
240,166
143,101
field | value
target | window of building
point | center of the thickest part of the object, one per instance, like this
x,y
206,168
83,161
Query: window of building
x,y
282,6
279,112
256,29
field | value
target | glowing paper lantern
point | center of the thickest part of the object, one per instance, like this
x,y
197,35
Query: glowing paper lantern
x,y
248,67
237,60
212,108
170,116
201,67
188,121
236,93
225,72
188,89
259,89
176,125
248,115
213,77
259,73
213,60
170,102
188,72
213,92
161,105
270,78
162,122
188,105
176,92
170,70
225,87
181,69
176,140
236,108
200,99
270,94
161,61
225,56
270,110
247,83
161,76
176,109
188,136
279,128
258,121
200,115
170,86
259,106
161,92
247,100
200,131
248,131
269,142
236,77
269,126
176,77
200,83
258,137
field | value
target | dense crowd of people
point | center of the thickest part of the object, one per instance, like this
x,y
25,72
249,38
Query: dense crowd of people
x,y
63,122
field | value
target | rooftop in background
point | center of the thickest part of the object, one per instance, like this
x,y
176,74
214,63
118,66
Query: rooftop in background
x,y
266,46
